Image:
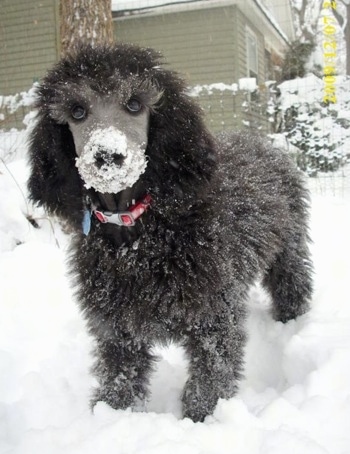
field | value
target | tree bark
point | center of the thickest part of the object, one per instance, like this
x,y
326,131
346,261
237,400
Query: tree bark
x,y
306,18
344,23
85,21
347,39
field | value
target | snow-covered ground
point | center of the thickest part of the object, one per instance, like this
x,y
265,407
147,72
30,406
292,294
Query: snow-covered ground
x,y
295,397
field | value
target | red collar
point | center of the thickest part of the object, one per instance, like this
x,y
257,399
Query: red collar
x,y
125,218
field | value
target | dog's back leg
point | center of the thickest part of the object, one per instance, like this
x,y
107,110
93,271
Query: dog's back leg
x,y
289,280
215,350
123,367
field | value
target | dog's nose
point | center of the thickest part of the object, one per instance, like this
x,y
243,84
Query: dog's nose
x,y
106,157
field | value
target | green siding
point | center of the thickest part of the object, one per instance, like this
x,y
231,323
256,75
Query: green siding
x,y
29,42
205,46
199,44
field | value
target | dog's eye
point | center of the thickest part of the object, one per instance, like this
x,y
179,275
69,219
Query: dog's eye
x,y
78,112
133,105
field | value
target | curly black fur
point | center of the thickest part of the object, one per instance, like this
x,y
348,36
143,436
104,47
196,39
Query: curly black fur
x,y
225,212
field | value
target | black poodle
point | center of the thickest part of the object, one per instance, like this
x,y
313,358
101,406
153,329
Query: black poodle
x,y
172,225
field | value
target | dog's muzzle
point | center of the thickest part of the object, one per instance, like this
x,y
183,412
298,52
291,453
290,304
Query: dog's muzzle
x,y
110,162
106,157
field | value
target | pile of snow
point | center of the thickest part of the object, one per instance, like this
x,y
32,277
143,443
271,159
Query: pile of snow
x,y
23,99
198,90
295,397
310,89
245,84
126,5
301,90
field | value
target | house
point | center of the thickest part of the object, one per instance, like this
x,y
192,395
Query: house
x,y
29,37
215,44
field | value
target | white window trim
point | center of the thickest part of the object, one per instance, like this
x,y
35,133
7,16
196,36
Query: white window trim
x,y
249,33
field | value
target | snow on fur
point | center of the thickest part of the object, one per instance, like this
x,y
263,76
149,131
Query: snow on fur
x,y
111,177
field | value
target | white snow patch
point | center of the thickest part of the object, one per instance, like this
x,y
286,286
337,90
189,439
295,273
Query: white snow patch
x,y
209,88
247,84
137,4
295,397
25,99
301,90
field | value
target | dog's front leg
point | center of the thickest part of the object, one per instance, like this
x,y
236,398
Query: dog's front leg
x,y
215,350
123,366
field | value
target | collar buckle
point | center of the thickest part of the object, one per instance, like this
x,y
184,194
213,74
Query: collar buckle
x,y
125,218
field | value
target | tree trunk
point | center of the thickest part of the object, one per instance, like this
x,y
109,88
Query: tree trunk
x,y
347,39
344,23
85,21
306,15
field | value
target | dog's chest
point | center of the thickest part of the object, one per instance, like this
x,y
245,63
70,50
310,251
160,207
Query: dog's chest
x,y
156,278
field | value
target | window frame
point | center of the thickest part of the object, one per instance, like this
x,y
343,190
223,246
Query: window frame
x,y
251,38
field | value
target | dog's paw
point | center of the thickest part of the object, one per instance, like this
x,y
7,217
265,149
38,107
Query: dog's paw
x,y
117,398
286,313
198,401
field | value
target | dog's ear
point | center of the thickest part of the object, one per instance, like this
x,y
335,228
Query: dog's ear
x,y
54,182
178,138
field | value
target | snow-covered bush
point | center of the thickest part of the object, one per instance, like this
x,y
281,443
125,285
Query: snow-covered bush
x,y
16,117
13,102
319,130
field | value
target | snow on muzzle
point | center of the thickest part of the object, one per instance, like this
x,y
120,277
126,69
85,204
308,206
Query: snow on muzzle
x,y
110,162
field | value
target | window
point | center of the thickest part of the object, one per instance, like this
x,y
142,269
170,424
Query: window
x,y
252,53
269,73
